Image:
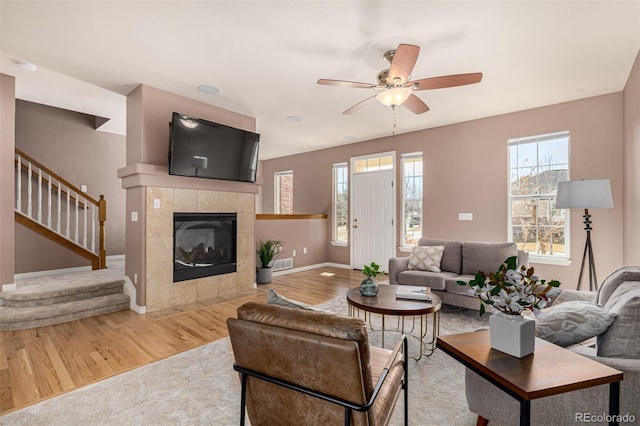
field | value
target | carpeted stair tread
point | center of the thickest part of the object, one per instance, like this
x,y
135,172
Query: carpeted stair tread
x,y
17,318
63,289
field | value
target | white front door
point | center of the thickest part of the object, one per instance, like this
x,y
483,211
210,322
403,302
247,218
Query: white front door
x,y
372,222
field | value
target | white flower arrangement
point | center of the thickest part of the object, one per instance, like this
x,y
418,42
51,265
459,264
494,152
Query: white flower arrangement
x,y
512,290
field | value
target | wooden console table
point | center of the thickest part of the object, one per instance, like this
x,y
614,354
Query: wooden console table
x,y
550,370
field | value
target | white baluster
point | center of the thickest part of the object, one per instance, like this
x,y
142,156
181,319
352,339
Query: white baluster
x,y
68,212
93,229
49,203
29,174
84,237
39,195
59,207
77,218
19,181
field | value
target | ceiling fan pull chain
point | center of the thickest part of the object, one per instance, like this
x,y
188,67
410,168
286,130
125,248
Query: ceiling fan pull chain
x,y
393,107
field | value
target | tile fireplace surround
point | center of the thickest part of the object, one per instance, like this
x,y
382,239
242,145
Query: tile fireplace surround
x,y
161,291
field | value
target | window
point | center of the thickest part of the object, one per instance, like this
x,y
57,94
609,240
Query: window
x,y
340,204
284,192
412,198
536,165
373,164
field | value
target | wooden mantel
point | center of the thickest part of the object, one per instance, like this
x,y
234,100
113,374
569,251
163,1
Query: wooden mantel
x,y
289,216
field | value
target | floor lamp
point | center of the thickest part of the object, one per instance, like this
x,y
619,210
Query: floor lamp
x,y
586,194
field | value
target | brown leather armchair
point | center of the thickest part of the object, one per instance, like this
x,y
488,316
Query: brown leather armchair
x,y
301,367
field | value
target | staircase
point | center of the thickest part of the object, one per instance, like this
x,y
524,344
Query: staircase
x,y
51,206
58,210
54,299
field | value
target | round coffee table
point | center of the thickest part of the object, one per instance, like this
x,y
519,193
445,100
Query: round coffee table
x,y
386,304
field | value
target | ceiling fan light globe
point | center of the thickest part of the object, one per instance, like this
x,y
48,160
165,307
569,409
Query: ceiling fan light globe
x,y
394,96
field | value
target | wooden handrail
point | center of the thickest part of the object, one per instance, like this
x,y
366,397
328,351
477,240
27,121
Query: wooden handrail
x,y
269,216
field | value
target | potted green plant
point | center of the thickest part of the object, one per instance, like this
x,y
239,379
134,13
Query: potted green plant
x,y
369,287
267,252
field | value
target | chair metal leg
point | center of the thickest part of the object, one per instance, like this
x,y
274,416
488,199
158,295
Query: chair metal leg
x,y
347,416
405,349
243,383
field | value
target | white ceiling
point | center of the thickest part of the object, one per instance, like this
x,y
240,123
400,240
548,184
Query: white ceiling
x,y
266,56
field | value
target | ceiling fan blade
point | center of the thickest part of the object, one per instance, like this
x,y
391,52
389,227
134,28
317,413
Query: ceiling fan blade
x,y
344,83
446,81
415,104
358,106
403,62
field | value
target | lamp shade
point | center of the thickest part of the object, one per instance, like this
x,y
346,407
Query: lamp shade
x,y
584,194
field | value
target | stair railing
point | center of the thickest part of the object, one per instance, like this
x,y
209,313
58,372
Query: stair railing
x,y
60,206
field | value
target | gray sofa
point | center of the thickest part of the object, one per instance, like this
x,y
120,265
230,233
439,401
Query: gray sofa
x,y
461,260
617,347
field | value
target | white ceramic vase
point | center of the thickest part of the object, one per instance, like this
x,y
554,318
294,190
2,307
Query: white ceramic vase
x,y
512,334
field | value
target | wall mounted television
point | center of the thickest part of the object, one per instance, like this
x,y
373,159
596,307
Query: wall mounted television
x,y
201,148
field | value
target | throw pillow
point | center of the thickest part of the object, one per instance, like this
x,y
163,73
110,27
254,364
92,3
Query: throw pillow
x,y
426,258
569,323
273,298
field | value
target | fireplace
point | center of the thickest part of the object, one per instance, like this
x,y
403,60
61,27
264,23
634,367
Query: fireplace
x,y
204,245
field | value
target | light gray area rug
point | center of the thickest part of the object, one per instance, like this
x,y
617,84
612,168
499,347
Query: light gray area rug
x,y
199,387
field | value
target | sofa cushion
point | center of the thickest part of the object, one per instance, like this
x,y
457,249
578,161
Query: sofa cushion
x,y
433,280
452,286
485,257
568,323
622,339
426,258
452,255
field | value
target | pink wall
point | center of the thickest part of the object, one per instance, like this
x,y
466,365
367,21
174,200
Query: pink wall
x,y
67,143
296,234
7,177
466,171
632,166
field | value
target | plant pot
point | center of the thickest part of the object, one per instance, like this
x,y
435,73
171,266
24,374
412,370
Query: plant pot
x,y
512,334
265,275
369,287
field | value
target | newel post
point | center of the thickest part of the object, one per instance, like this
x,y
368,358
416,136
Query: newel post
x,y
102,218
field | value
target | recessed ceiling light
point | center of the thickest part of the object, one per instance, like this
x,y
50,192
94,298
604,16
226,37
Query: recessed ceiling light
x,y
27,66
294,118
209,89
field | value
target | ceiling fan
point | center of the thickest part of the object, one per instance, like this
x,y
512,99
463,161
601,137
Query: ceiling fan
x,y
394,84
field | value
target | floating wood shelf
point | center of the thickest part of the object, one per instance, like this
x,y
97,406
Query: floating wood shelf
x,y
289,216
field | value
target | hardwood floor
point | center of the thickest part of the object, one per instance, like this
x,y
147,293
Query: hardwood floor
x,y
44,362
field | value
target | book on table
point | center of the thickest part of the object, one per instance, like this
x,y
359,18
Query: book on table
x,y
413,292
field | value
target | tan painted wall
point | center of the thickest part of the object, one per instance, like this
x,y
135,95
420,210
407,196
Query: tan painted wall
x,y
7,177
632,166
296,234
466,171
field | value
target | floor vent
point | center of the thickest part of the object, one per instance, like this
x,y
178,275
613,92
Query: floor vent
x,y
282,264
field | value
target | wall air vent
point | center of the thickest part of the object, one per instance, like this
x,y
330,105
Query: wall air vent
x,y
282,264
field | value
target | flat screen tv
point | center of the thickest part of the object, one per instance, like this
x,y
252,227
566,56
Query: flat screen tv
x,y
201,148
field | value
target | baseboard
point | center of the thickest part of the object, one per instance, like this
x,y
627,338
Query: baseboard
x,y
9,287
36,274
309,267
130,290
